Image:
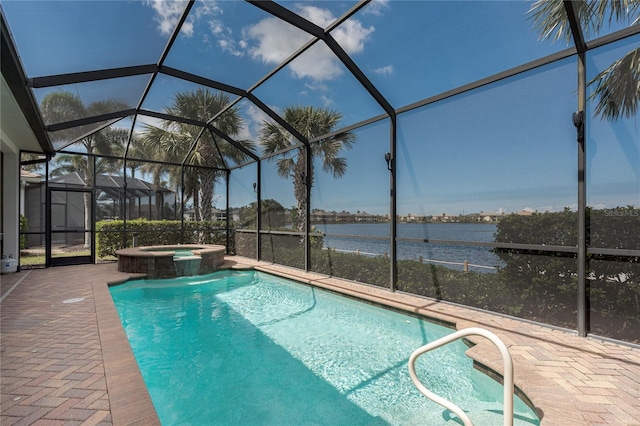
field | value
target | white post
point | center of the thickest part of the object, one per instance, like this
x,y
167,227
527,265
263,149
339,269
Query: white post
x,y
10,206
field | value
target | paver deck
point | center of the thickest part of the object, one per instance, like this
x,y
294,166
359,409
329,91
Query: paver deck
x,y
65,359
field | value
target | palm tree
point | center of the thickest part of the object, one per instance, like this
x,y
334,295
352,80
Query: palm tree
x,y
175,139
616,88
311,122
163,145
63,106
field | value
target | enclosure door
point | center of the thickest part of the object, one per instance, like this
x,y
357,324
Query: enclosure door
x,y
70,239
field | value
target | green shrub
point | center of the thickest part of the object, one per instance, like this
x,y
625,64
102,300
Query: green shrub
x,y
109,236
24,227
546,282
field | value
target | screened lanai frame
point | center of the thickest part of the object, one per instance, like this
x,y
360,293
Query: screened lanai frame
x,y
317,34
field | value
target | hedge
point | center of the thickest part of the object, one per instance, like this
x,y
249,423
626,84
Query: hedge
x,y
159,232
546,283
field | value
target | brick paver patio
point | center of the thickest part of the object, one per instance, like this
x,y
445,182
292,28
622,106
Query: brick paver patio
x,y
65,358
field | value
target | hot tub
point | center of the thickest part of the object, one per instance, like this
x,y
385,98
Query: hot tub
x,y
160,261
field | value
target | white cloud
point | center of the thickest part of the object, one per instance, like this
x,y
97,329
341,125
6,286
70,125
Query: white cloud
x,y
274,41
208,13
271,40
352,35
317,63
316,86
168,14
227,44
253,122
375,7
216,26
386,70
327,101
320,17
207,8
245,133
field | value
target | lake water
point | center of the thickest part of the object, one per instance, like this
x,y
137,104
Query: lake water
x,y
373,240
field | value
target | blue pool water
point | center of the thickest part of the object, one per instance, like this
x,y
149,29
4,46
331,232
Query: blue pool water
x,y
248,348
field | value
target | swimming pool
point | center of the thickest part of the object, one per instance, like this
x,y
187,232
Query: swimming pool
x,y
245,347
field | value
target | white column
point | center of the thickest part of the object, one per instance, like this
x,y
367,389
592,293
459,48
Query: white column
x,y
10,203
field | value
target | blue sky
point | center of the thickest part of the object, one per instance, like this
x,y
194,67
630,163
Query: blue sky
x,y
507,146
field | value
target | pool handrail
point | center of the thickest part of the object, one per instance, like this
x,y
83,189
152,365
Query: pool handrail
x,y
507,372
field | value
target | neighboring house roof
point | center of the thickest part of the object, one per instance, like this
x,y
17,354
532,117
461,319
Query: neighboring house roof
x,y
27,176
111,184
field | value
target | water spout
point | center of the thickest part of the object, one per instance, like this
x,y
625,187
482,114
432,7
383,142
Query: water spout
x,y
187,266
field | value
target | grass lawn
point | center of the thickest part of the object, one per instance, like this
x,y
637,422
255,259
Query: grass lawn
x,y
31,259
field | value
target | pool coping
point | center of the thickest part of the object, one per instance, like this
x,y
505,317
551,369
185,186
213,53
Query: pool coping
x,y
538,373
129,398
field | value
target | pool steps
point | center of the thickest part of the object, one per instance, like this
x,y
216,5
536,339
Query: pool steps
x,y
507,377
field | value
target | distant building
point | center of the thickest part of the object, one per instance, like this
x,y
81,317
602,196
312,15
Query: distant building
x,y
446,218
414,218
491,216
365,217
322,216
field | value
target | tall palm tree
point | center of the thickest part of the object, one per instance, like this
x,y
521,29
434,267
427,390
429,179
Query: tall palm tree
x,y
311,122
63,106
616,88
175,139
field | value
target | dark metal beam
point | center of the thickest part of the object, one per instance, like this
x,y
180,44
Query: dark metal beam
x,y
87,76
579,121
168,117
358,74
253,98
288,16
79,138
613,37
202,81
233,142
193,146
393,204
241,165
15,77
89,120
351,127
176,32
215,142
347,15
163,57
491,79
572,8
258,191
283,64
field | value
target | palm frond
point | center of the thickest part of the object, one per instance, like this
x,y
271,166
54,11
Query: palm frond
x,y
550,19
617,88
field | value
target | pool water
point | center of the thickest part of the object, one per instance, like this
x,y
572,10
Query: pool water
x,y
248,348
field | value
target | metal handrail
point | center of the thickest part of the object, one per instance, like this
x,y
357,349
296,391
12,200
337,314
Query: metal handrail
x,y
507,372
